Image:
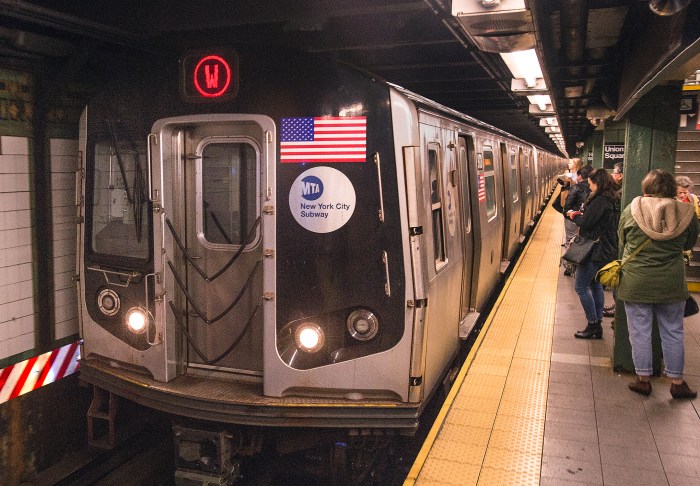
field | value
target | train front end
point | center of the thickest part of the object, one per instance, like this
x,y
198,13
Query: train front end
x,y
243,252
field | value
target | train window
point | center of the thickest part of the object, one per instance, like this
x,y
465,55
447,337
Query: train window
x,y
436,205
513,177
118,214
490,183
228,192
526,176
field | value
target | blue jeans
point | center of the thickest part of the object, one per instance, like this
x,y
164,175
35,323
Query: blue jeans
x,y
670,319
589,291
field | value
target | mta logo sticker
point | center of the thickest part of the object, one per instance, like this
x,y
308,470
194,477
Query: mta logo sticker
x,y
322,199
311,188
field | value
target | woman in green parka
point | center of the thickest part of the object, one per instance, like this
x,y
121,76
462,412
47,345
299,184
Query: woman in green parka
x,y
653,282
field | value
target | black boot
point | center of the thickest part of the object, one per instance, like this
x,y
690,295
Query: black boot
x,y
593,330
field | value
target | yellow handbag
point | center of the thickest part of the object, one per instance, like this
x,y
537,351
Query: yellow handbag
x,y
609,275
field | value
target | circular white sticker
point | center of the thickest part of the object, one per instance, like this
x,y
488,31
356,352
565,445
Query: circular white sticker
x,y
322,199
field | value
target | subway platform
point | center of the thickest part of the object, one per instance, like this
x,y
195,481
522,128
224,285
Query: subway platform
x,y
533,405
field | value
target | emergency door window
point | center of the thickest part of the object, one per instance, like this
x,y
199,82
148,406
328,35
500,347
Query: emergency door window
x,y
513,177
436,206
228,192
490,183
526,165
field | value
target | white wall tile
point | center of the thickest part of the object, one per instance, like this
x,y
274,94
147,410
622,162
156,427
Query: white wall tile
x,y
14,164
64,264
15,273
66,328
20,344
14,182
63,181
15,219
14,201
67,297
63,146
14,145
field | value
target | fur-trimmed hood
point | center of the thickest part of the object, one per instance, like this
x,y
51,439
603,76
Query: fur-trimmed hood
x,y
662,218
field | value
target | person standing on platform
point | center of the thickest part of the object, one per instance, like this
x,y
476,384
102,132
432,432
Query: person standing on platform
x,y
684,193
596,221
574,200
609,310
653,282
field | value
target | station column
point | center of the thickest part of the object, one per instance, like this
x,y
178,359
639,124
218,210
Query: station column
x,y
650,143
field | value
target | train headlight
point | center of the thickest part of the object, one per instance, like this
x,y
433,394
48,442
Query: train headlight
x,y
108,302
137,320
362,324
309,337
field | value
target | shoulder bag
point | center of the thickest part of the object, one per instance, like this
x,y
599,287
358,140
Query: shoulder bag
x,y
691,307
609,275
580,249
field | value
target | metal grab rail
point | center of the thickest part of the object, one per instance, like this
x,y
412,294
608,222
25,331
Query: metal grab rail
x,y
201,272
190,300
191,342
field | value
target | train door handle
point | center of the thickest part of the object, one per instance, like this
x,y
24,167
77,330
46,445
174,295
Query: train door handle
x,y
379,178
387,284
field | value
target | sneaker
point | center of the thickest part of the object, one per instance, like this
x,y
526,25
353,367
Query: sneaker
x,y
682,391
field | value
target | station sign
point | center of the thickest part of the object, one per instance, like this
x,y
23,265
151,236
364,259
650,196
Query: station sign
x,y
209,75
613,152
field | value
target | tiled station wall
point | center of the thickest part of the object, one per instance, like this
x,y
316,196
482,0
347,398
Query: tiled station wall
x,y
64,163
16,273
19,289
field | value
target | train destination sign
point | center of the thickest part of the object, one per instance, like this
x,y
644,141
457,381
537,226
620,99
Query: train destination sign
x,y
209,76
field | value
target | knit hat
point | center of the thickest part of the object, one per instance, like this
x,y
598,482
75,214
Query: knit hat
x,y
662,218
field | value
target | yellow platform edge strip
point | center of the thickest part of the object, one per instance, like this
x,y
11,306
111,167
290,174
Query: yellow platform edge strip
x,y
422,456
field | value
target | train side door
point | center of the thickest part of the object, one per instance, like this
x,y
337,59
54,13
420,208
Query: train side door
x,y
511,195
489,237
466,305
215,178
525,189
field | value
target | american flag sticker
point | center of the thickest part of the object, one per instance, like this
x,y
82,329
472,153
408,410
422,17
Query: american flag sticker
x,y
482,188
323,139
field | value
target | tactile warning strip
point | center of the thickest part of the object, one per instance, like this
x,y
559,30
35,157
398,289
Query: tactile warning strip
x,y
491,427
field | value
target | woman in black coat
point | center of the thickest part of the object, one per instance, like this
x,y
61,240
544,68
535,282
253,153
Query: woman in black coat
x,y
598,221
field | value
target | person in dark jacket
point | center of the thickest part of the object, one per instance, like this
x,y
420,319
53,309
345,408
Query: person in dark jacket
x,y
653,282
597,221
617,175
574,200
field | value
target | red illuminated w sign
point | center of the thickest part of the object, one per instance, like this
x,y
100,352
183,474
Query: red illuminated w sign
x,y
211,79
212,76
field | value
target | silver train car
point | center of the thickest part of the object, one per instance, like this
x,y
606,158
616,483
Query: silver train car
x,y
277,241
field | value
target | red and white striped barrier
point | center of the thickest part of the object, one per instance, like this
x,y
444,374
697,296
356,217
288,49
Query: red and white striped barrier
x,y
28,375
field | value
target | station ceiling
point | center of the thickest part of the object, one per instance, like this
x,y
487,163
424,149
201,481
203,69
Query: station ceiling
x,y
597,56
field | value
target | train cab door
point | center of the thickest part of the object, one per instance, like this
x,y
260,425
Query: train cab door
x,y
213,176
467,314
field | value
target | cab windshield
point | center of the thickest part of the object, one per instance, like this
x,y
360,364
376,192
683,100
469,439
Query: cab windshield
x,y
118,216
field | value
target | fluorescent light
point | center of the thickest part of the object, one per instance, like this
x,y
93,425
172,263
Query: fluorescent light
x,y
523,64
540,100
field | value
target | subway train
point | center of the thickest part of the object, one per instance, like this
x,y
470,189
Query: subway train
x,y
275,248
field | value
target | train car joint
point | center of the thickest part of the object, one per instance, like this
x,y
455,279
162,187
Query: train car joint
x,y
467,324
